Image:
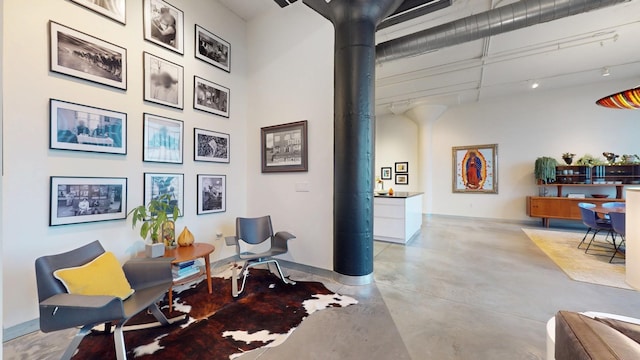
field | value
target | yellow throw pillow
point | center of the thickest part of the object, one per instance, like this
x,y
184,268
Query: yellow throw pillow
x,y
102,276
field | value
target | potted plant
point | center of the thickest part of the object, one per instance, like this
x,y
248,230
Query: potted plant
x,y
155,217
545,170
568,158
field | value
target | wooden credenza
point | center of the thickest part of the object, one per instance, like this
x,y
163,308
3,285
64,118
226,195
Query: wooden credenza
x,y
558,207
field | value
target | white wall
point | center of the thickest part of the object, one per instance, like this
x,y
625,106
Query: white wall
x,y
1,152
29,163
397,141
540,123
291,79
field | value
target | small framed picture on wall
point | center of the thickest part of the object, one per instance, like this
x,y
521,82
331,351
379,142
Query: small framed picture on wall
x,y
402,167
211,146
165,184
164,25
385,173
163,82
212,194
284,147
162,139
402,179
210,97
213,49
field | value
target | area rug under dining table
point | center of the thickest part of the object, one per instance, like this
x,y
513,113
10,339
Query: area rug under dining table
x,y
561,247
221,327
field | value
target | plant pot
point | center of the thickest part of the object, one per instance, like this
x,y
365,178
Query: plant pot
x,y
154,250
568,160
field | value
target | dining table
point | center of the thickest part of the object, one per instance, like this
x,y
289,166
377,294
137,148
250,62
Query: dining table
x,y
602,210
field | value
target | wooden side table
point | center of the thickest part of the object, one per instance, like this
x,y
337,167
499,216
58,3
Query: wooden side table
x,y
188,253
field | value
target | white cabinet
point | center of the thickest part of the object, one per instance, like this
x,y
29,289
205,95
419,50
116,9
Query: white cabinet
x,y
397,218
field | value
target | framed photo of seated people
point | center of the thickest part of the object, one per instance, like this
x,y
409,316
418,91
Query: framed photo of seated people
x,y
87,128
83,56
113,9
163,82
212,49
475,169
165,184
212,194
211,97
76,200
162,139
164,25
284,148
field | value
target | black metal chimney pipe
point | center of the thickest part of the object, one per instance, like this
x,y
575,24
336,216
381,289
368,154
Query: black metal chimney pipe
x,y
355,23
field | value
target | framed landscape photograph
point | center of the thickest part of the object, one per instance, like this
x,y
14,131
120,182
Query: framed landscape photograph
x,y
210,97
162,139
284,147
475,169
163,82
212,194
385,173
114,9
86,128
164,25
86,57
402,179
160,184
212,49
211,146
76,200
402,167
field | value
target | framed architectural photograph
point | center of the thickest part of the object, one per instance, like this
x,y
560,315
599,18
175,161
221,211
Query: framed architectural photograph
x,y
402,179
284,147
164,25
211,146
402,167
212,49
114,9
163,82
86,57
162,139
475,169
211,97
212,194
76,200
160,184
385,173
86,128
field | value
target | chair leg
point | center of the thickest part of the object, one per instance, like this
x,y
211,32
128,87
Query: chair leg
x,y
71,349
286,281
595,232
584,237
118,340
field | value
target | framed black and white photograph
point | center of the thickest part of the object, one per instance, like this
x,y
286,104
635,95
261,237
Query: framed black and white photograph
x,y
284,147
402,179
164,25
212,194
162,139
163,82
86,57
212,49
402,167
114,9
385,173
211,146
76,200
210,97
86,128
161,184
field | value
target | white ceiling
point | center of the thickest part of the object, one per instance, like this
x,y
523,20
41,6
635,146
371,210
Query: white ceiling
x,y
566,52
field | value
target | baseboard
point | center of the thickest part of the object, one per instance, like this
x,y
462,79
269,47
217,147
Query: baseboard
x,y
22,329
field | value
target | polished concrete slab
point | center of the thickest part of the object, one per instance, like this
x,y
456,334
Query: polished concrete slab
x,y
463,289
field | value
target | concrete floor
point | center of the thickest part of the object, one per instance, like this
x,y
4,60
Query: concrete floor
x,y
463,289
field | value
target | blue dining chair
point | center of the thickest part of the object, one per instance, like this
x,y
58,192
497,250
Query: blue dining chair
x,y
612,205
618,223
594,225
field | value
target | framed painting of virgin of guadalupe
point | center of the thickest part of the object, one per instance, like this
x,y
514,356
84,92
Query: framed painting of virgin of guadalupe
x,y
475,169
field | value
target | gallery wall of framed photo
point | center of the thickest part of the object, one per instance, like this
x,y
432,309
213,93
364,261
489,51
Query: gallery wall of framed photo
x,y
397,149
99,98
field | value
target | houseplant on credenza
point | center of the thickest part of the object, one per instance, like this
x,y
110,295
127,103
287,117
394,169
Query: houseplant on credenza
x,y
153,217
545,170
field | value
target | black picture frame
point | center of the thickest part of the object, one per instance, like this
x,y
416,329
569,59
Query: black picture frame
x,y
212,194
80,55
154,12
211,97
115,9
212,49
163,139
211,146
158,73
77,200
386,173
159,184
402,179
284,148
86,128
402,167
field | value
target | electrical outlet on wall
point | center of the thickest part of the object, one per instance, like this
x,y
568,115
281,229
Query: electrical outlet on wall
x,y
303,187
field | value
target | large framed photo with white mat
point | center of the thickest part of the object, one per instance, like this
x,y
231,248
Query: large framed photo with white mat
x,y
169,185
164,25
163,82
162,139
113,9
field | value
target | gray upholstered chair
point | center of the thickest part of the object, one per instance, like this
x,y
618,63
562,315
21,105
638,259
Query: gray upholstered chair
x,y
257,231
150,278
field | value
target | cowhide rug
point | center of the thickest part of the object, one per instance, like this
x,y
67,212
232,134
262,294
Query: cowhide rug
x,y
221,327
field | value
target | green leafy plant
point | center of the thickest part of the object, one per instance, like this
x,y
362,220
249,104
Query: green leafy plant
x,y
589,160
153,215
545,169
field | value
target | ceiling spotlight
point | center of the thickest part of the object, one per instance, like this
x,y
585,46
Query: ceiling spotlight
x,y
535,85
605,71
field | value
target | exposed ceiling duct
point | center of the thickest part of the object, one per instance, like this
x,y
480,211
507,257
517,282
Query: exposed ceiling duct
x,y
489,23
411,9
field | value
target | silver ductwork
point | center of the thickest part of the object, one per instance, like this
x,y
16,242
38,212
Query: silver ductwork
x,y
496,21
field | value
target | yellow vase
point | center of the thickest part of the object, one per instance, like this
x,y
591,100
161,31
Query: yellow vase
x,y
185,238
